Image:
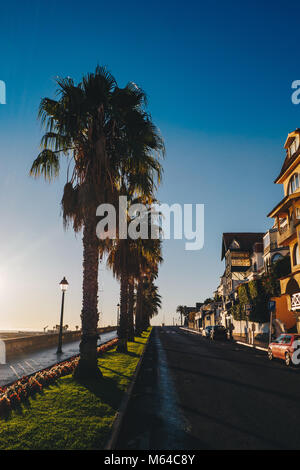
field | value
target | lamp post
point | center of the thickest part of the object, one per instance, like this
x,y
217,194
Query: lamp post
x,y
118,315
64,286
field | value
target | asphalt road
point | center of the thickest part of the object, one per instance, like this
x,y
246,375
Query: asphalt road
x,y
37,360
193,393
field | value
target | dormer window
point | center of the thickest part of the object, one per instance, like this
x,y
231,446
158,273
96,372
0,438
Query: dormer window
x,y
235,245
293,184
294,145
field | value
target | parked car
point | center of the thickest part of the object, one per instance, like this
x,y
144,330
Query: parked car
x,y
283,347
206,331
218,332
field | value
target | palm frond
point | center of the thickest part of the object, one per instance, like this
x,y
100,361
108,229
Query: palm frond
x,y
46,165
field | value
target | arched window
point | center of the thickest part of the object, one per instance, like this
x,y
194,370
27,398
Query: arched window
x,y
293,184
296,256
292,287
276,257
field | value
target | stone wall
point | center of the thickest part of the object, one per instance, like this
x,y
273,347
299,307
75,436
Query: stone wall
x,y
18,346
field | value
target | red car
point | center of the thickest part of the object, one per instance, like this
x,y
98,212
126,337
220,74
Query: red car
x,y
283,348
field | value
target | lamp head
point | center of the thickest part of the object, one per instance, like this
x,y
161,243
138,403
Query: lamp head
x,y
64,284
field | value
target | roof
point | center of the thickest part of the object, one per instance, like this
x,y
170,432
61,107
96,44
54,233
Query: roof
x,y
288,160
245,240
283,205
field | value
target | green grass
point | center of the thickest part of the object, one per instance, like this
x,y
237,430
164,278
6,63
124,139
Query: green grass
x,y
72,416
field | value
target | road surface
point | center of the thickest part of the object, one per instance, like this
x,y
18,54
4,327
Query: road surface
x,y
194,393
38,360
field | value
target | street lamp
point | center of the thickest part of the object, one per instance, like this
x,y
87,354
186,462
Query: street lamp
x,y
118,315
64,286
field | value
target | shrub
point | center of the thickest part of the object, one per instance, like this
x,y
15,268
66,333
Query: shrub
x,y
13,395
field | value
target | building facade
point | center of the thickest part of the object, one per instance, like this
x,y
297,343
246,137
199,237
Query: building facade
x,y
287,218
272,250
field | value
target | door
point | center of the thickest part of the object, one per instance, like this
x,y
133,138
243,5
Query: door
x,y
276,346
284,345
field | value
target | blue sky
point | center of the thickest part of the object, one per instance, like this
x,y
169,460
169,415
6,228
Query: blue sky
x,y
218,77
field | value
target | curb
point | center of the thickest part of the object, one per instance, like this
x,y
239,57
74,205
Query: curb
x,y
252,346
120,414
237,342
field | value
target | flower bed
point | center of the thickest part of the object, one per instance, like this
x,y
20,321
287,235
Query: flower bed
x,y
13,395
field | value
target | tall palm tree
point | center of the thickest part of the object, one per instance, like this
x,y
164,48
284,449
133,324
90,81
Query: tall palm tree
x,y
106,134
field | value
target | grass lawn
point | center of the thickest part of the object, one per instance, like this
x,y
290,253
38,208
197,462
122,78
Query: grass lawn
x,y
72,416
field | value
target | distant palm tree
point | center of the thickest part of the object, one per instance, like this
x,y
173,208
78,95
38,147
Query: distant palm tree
x,y
151,302
131,259
182,311
107,135
150,258
121,261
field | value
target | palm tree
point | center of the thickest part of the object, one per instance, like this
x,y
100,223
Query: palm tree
x,y
149,260
151,302
120,260
181,310
130,313
106,134
126,258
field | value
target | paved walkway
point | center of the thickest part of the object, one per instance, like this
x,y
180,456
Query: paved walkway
x,y
193,393
260,344
38,360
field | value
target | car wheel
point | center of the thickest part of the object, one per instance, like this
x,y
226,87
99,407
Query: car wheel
x,y
270,354
287,359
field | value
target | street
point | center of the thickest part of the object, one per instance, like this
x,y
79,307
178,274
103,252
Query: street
x,y
38,360
193,393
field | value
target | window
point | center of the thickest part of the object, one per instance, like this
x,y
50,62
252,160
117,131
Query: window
x,y
266,239
276,257
294,145
279,339
293,184
287,339
296,257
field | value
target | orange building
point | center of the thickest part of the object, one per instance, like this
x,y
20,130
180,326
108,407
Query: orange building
x,y
287,216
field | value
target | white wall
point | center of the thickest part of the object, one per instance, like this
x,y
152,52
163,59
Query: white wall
x,y
239,327
2,353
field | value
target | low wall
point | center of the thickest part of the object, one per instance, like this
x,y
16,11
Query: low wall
x,y
14,347
240,327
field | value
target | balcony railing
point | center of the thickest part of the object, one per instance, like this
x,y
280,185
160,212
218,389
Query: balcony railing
x,y
272,246
286,232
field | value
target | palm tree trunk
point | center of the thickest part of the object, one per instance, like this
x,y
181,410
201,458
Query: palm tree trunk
x,y
139,301
130,310
87,367
145,321
123,328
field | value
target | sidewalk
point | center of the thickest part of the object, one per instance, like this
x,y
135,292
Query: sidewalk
x,y
262,345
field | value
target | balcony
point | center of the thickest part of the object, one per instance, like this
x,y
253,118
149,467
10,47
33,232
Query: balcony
x,y
285,233
270,247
